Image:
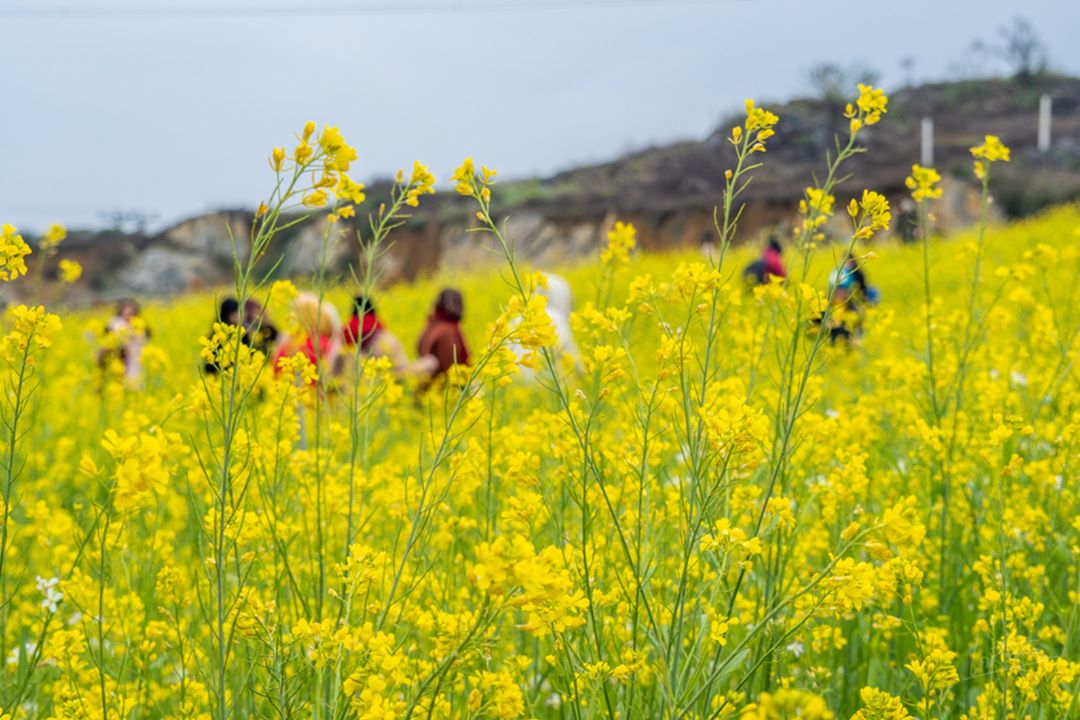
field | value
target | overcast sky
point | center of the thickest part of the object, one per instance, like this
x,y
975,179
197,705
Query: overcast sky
x,y
172,108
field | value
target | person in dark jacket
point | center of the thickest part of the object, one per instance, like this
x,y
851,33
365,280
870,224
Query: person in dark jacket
x,y
260,331
442,344
229,314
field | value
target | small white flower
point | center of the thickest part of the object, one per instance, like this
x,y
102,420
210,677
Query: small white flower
x,y
1019,378
796,648
52,595
832,413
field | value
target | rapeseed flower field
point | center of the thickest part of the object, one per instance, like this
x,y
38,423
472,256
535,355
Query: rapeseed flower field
x,y
722,508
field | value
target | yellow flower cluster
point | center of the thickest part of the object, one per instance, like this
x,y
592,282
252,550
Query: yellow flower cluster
x,y
468,183
867,109
880,705
70,270
622,239
923,183
991,151
13,252
32,328
760,126
55,235
421,182
869,214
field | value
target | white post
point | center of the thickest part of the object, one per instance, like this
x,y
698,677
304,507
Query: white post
x,y
1045,106
927,155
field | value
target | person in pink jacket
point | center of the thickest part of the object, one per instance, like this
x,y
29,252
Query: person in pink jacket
x,y
773,258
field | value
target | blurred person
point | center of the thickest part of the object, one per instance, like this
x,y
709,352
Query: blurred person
x,y
862,290
228,314
125,336
319,338
907,221
559,306
367,330
708,246
849,292
441,345
768,266
773,257
261,332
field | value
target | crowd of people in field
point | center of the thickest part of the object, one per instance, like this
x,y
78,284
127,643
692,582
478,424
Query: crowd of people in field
x,y
328,343
332,345
849,293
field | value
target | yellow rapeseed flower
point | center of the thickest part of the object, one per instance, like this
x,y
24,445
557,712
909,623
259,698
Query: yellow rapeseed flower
x,y
923,183
622,239
70,270
992,150
13,252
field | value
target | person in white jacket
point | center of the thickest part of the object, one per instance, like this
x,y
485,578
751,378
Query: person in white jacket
x,y
559,306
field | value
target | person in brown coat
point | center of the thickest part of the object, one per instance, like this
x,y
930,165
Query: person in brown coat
x,y
441,344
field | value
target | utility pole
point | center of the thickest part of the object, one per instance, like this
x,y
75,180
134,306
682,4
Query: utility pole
x,y
926,157
1045,109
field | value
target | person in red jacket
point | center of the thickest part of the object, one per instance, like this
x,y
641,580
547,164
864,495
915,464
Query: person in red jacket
x,y
375,341
442,344
319,339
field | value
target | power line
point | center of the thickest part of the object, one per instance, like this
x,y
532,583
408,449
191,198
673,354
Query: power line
x,y
293,9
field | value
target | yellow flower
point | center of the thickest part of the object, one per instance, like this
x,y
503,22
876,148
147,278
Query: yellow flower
x,y
330,140
872,103
282,293
875,214
816,207
302,153
464,177
341,160
759,118
13,252
315,199
923,183
852,583
991,151
53,236
32,325
422,181
349,191
880,705
936,671
788,703
70,270
621,241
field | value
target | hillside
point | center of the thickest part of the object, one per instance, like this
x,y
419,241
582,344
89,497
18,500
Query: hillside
x,y
690,174
668,192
